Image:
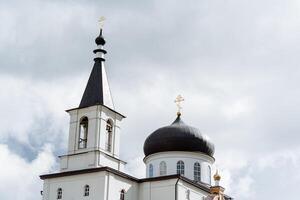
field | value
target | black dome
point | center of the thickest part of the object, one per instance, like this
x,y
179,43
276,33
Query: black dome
x,y
177,137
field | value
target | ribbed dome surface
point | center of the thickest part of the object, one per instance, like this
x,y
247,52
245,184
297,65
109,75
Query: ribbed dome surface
x,y
177,137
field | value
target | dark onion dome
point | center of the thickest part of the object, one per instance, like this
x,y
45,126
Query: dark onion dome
x,y
100,39
178,137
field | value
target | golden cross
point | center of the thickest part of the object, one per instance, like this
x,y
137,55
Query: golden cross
x,y
101,21
178,101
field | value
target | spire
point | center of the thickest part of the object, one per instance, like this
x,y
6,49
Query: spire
x,y
97,91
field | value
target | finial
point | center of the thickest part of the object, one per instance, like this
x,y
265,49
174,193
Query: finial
x,y
217,177
217,190
178,101
100,40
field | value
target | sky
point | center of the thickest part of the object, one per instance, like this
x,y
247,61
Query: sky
x,y
236,63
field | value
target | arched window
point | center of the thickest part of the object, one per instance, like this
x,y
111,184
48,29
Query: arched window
x,y
86,190
180,167
209,174
59,193
83,133
109,131
197,172
122,195
150,170
162,168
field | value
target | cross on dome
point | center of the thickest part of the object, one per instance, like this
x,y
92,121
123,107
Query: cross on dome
x,y
178,101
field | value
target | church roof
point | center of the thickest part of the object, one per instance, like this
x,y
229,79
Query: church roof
x,y
94,93
97,91
178,137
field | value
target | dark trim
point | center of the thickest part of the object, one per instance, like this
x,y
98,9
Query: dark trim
x,y
100,59
114,111
85,171
113,157
159,178
176,189
97,105
202,186
100,50
73,154
107,169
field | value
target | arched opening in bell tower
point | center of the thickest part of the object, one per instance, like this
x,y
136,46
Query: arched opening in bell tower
x,y
109,132
83,133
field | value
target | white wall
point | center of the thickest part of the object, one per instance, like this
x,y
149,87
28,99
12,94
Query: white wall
x,y
96,140
107,186
189,158
73,186
103,186
116,184
195,193
156,190
90,159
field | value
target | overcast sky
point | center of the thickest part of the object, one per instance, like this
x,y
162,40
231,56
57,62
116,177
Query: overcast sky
x,y
236,62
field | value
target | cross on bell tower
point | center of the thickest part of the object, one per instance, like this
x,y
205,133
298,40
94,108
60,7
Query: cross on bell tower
x,y
101,22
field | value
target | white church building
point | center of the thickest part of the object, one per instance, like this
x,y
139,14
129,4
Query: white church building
x,y
178,157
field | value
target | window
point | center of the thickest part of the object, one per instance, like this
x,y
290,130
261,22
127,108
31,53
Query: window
x,y
150,170
180,167
209,175
109,130
162,168
197,172
83,132
59,193
122,195
86,190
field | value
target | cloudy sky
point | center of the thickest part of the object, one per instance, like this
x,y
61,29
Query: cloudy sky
x,y
236,62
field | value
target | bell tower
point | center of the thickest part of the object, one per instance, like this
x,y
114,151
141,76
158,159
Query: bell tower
x,y
94,133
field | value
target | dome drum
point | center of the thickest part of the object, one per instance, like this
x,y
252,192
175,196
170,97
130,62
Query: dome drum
x,y
189,159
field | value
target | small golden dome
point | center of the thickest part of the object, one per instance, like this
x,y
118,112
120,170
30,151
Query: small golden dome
x,y
217,177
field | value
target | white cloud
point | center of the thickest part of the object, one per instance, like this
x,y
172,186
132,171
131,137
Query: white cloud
x,y
238,108
235,62
19,178
279,159
245,177
243,188
28,101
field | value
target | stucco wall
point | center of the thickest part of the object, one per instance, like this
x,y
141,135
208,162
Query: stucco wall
x,y
103,186
194,193
94,154
189,158
157,190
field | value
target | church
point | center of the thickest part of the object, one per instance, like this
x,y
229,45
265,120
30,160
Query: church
x,y
178,157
